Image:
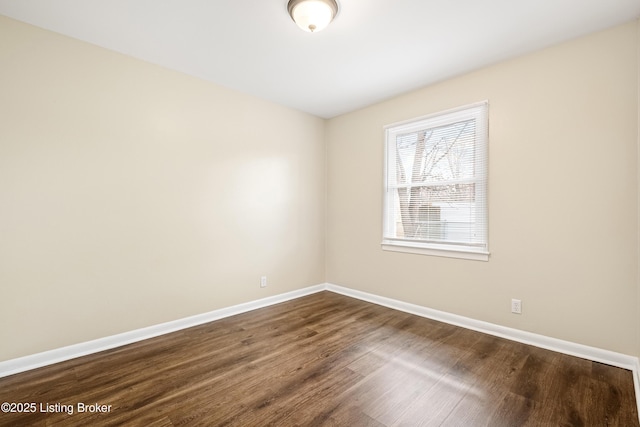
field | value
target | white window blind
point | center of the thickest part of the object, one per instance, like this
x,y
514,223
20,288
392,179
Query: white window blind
x,y
436,184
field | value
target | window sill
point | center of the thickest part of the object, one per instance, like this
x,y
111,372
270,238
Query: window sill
x,y
444,251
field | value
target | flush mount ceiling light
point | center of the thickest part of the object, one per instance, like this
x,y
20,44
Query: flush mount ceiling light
x,y
312,15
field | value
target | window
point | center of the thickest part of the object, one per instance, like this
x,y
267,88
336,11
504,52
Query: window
x,y
435,200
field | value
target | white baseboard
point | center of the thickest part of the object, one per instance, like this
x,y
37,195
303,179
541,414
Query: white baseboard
x,y
561,346
573,349
50,357
26,363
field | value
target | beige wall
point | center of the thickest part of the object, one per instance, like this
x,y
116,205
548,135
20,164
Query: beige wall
x,y
132,195
638,171
563,196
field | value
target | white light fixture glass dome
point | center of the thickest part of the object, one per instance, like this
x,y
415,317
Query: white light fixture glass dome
x,y
312,15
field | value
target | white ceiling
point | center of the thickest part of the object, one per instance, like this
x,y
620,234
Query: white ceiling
x,y
374,50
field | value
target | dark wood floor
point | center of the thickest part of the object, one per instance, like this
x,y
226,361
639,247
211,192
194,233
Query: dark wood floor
x,y
326,359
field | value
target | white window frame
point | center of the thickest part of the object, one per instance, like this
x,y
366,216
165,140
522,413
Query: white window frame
x,y
477,111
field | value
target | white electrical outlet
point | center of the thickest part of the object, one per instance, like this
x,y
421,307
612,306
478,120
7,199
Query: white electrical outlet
x,y
263,282
516,306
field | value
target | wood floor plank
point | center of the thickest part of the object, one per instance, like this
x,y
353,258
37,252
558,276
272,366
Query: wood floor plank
x,y
327,360
517,410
